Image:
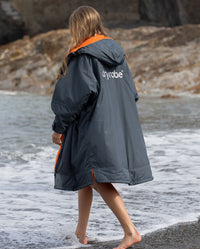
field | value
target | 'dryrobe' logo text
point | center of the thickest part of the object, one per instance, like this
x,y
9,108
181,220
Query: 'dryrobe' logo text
x,y
113,74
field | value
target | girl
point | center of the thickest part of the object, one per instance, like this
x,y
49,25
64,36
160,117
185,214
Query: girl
x,y
96,123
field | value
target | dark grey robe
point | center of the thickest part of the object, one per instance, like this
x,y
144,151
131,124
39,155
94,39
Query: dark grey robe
x,y
95,108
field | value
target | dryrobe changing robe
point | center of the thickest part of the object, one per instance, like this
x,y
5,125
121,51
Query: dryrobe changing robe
x,y
95,110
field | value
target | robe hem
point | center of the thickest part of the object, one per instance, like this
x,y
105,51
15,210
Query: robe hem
x,y
70,188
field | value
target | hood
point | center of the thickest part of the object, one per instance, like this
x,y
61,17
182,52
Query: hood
x,y
103,48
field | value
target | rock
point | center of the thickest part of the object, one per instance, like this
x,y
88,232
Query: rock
x,y
31,17
160,12
189,11
158,57
45,15
162,58
195,89
11,23
32,64
169,96
170,12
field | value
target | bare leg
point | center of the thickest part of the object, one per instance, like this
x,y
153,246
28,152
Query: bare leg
x,y
84,204
115,203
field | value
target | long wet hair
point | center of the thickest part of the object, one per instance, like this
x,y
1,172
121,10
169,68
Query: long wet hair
x,y
84,22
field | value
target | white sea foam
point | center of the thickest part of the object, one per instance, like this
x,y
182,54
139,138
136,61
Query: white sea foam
x,y
34,208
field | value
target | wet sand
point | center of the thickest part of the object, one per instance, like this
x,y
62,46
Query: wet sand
x,y
179,236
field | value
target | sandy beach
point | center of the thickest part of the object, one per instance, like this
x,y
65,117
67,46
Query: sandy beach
x,y
179,236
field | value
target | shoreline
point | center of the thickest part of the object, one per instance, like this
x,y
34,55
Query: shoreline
x,y
160,93
184,235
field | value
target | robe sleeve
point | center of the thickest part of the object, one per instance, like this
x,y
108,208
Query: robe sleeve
x,y
73,91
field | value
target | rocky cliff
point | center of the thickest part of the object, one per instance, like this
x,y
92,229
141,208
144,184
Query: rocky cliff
x,y
159,58
12,26
19,17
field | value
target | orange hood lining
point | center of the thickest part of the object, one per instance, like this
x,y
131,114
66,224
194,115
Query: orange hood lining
x,y
89,41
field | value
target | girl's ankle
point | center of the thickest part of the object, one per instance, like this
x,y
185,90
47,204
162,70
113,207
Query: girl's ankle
x,y
132,233
79,234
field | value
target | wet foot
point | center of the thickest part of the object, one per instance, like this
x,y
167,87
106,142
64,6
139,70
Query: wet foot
x,y
82,238
129,240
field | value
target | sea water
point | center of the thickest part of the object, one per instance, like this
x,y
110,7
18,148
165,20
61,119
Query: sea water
x,y
35,215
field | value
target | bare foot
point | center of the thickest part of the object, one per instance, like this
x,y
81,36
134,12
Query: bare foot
x,y
82,238
129,240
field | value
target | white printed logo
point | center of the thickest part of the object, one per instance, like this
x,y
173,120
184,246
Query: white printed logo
x,y
112,74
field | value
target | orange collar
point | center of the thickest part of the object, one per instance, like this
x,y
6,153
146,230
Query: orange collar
x,y
90,41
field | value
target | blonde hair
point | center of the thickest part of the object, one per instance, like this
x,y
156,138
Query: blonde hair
x,y
84,22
